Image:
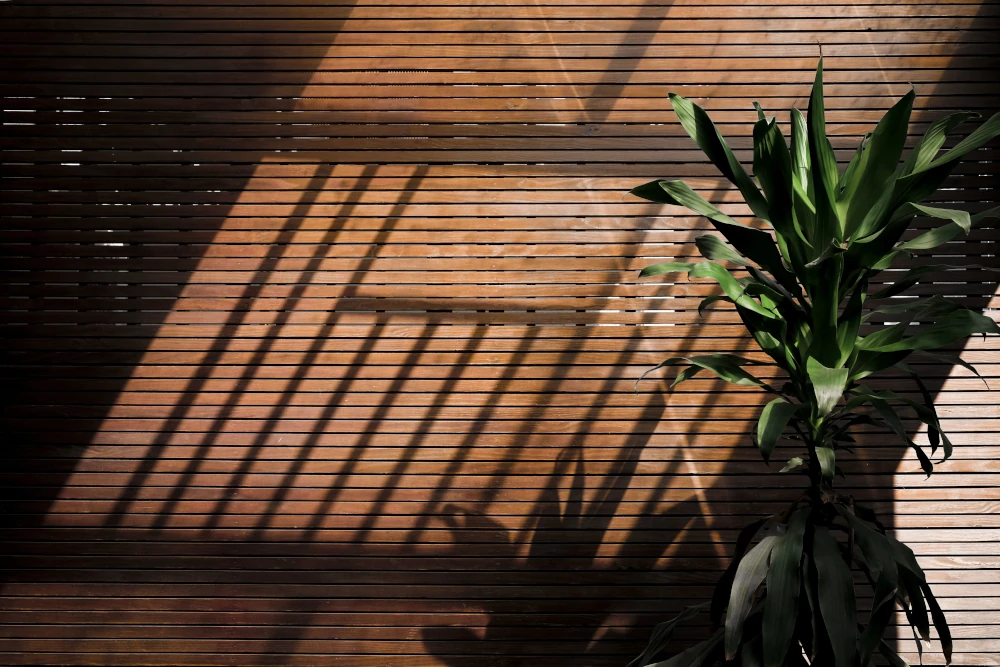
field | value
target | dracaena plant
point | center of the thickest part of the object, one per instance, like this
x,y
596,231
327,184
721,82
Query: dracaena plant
x,y
811,286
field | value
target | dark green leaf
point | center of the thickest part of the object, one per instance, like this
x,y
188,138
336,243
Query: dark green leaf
x,y
836,596
883,605
696,656
783,583
940,623
720,597
772,422
749,575
661,635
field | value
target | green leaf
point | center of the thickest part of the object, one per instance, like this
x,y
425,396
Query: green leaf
x,y
909,278
959,325
883,605
849,323
933,140
823,283
772,165
696,656
755,244
792,464
941,235
824,167
921,183
751,572
714,248
732,287
783,583
877,164
836,596
772,422
725,366
977,139
661,635
827,462
700,128
668,267
800,151
828,384
678,193
887,413
721,594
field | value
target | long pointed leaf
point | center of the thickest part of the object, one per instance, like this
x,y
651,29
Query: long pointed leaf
x,y
749,576
783,583
701,128
933,140
836,596
720,597
824,167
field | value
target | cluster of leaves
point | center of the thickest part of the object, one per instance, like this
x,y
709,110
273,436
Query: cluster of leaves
x,y
804,290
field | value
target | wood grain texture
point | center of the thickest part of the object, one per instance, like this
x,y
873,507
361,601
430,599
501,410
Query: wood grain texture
x,y
321,324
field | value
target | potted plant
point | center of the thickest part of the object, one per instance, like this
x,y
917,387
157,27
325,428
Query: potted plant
x,y
804,289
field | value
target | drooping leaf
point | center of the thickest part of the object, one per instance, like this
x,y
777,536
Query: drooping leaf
x,y
701,128
940,622
783,583
696,656
662,634
772,422
891,418
941,235
836,596
721,595
749,576
726,366
883,604
792,464
916,614
828,385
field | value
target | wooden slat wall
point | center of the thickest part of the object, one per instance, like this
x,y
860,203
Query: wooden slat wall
x,y
321,323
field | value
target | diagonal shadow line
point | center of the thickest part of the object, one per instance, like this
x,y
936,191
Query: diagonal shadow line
x,y
217,349
303,367
412,184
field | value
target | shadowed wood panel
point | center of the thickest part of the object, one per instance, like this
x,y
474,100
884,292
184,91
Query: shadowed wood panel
x,y
321,324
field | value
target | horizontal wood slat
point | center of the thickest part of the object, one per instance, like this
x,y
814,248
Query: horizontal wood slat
x,y
321,324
